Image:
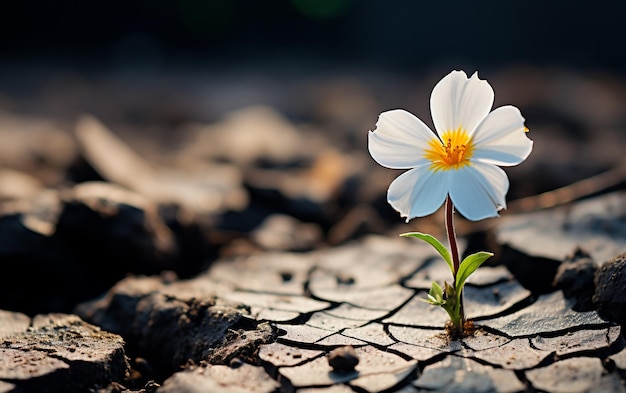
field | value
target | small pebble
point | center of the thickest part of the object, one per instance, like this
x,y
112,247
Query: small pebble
x,y
343,359
235,363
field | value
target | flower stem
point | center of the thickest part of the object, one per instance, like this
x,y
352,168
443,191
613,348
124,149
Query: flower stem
x,y
451,234
454,250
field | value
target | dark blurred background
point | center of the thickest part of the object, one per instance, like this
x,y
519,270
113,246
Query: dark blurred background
x,y
151,65
159,35
154,66
256,48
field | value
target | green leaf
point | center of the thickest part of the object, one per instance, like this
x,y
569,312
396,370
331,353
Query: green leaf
x,y
443,251
432,301
435,295
436,291
469,266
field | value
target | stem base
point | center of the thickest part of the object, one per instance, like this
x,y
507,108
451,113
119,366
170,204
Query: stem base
x,y
466,329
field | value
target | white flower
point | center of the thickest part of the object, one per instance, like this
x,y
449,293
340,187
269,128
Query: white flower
x,y
461,159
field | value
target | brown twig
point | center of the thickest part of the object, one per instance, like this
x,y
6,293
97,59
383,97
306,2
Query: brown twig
x,y
571,192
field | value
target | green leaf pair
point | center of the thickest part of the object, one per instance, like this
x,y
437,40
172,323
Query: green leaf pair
x,y
466,267
450,298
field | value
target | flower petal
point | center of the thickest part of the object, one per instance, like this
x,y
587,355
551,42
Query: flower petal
x,y
418,192
457,101
501,138
399,140
478,191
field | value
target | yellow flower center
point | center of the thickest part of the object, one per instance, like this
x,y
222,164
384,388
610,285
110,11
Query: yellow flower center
x,y
452,152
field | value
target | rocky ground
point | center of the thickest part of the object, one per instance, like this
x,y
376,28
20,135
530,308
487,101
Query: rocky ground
x,y
229,232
